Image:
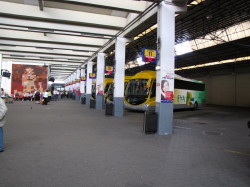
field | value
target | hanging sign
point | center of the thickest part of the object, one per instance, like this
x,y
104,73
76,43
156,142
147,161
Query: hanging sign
x,y
83,78
92,75
109,69
149,55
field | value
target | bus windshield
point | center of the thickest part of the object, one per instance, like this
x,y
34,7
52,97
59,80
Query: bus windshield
x,y
111,92
93,91
106,87
137,91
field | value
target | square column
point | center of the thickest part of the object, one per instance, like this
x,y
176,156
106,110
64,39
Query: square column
x,y
88,82
71,83
165,75
1,58
78,73
100,80
120,49
83,82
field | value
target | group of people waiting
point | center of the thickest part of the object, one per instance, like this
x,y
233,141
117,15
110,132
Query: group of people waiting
x,y
38,96
46,96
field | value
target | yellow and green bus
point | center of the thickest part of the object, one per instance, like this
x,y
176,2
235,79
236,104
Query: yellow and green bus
x,y
140,93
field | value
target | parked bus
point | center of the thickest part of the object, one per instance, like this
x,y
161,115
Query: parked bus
x,y
140,93
107,82
110,92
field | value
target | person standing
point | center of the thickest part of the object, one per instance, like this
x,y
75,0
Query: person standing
x,y
49,96
45,97
3,110
37,96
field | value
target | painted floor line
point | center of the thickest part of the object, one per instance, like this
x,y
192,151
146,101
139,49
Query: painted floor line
x,y
179,127
236,152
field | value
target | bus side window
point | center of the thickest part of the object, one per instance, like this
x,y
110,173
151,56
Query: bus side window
x,y
153,90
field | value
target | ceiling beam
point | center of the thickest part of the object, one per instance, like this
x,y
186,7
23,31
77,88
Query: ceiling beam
x,y
47,45
43,55
63,53
49,38
127,6
45,61
39,62
57,27
61,16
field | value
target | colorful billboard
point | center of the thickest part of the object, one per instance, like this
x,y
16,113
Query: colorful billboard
x,y
28,78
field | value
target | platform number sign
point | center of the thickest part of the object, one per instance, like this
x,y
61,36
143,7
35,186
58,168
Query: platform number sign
x,y
149,55
109,69
92,75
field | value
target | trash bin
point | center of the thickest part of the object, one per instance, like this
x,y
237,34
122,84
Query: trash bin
x,y
109,109
150,122
92,103
83,100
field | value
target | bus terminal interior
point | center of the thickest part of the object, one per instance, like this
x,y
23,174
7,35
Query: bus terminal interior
x,y
125,93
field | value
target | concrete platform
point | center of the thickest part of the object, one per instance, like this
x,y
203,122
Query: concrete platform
x,y
66,144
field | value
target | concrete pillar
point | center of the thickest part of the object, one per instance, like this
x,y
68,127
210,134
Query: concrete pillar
x,y
1,58
165,75
83,82
120,49
71,85
100,80
67,81
77,84
89,82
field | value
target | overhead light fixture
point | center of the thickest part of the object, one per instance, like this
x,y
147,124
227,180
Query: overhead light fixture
x,y
74,59
96,35
45,48
8,45
209,17
46,58
17,55
157,68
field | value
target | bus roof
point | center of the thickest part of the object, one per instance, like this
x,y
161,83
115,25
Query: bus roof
x,y
108,80
149,74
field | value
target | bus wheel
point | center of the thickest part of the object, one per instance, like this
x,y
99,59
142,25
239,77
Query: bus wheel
x,y
195,105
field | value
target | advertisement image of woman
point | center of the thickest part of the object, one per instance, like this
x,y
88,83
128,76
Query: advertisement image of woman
x,y
164,89
166,94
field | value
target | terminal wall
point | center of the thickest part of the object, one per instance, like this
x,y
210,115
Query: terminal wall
x,y
228,87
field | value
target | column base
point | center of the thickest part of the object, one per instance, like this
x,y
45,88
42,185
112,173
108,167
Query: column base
x,y
118,106
165,118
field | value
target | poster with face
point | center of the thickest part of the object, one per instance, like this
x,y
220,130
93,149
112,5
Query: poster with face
x,y
99,89
28,78
167,88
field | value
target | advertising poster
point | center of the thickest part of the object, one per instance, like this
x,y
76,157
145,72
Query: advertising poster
x,y
99,89
167,88
28,78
